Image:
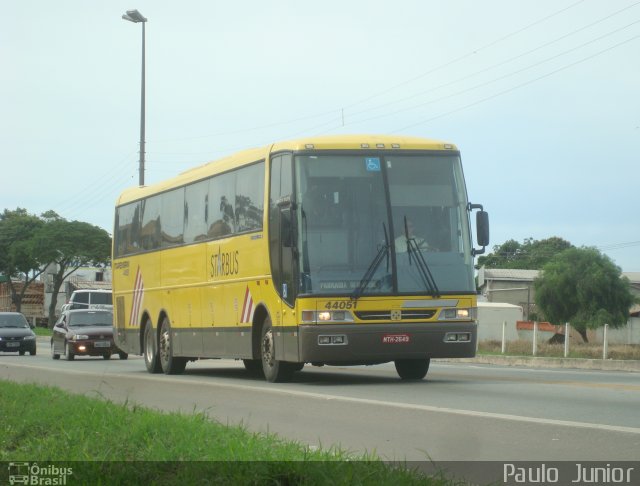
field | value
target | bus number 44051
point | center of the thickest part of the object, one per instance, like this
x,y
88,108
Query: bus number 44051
x,y
341,305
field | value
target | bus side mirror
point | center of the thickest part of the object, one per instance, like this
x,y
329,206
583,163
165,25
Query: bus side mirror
x,y
482,228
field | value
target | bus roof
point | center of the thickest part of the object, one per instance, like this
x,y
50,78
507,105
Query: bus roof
x,y
331,142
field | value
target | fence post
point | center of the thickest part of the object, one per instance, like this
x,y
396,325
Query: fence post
x,y
535,338
504,335
566,339
605,344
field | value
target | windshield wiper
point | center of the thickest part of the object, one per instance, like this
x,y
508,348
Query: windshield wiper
x,y
373,266
421,263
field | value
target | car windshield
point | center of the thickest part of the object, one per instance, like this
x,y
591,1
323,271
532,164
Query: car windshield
x,y
86,319
13,320
395,224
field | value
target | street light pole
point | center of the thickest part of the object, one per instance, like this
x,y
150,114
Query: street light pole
x,y
136,17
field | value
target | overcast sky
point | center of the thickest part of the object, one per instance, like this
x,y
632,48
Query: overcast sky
x,y
542,97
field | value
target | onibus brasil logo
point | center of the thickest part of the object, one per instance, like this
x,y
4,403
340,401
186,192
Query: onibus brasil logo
x,y
33,474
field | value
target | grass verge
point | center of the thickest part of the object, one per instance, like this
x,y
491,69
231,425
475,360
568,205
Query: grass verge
x,y
42,331
107,443
576,350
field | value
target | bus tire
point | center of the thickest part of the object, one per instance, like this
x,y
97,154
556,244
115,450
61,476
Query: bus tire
x,y
150,347
253,366
274,371
412,369
170,364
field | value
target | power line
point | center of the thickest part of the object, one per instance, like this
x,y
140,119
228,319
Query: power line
x,y
618,246
467,55
494,80
91,194
511,59
337,112
513,88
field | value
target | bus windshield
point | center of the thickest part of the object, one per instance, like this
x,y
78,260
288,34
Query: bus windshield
x,y
372,225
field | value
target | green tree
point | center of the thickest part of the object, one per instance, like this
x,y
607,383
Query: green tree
x,y
583,287
69,245
529,255
18,260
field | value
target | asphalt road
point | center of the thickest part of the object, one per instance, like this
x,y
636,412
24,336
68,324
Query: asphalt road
x,y
461,412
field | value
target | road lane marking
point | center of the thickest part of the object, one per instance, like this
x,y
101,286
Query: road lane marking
x,y
435,375
360,401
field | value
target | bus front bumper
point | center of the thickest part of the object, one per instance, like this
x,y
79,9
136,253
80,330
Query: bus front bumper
x,y
381,343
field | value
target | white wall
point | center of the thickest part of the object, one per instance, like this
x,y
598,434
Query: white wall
x,y
490,318
629,334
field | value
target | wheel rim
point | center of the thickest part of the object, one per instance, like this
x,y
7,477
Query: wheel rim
x,y
267,349
148,346
165,345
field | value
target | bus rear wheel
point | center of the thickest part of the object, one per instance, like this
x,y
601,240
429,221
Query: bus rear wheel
x,y
150,346
412,369
170,364
274,371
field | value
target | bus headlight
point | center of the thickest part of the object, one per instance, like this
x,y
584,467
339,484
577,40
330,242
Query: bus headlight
x,y
313,317
455,314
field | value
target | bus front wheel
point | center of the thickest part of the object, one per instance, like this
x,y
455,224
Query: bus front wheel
x,y
150,344
170,364
274,371
253,366
412,369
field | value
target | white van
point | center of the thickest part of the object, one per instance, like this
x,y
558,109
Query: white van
x,y
89,299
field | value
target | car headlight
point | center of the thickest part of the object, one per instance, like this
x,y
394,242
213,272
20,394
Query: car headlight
x,y
80,337
26,338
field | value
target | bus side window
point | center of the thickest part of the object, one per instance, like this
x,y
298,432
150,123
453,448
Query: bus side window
x,y
221,199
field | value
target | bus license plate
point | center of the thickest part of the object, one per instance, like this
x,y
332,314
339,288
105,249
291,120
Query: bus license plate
x,y
396,339
102,344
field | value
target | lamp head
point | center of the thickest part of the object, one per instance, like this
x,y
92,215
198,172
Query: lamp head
x,y
134,16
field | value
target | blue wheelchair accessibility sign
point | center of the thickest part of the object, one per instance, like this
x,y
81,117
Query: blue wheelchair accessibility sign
x,y
373,164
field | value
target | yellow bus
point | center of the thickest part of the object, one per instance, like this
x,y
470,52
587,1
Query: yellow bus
x,y
337,250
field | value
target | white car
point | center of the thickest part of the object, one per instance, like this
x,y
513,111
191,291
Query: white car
x,y
89,299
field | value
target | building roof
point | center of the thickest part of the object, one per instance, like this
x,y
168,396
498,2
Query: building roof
x,y
517,274
498,305
90,285
634,277
508,274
